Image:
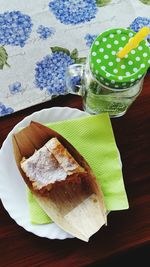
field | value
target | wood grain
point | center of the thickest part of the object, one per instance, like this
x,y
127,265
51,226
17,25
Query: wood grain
x,y
128,232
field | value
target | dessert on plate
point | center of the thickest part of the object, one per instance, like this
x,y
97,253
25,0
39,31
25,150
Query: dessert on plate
x,y
60,179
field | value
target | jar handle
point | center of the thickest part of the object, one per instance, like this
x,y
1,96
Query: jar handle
x,y
73,79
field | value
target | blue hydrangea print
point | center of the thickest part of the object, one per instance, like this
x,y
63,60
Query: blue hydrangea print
x,y
75,83
15,88
15,28
5,110
90,39
50,71
73,11
45,32
140,22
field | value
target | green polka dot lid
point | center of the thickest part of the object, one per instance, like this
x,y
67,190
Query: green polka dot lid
x,y
112,71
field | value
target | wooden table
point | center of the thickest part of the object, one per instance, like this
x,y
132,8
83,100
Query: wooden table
x,y
128,233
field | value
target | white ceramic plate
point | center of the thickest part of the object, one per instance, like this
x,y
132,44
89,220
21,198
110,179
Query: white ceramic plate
x,y
12,186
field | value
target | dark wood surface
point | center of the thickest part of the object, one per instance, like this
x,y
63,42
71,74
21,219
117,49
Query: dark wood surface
x,y
128,232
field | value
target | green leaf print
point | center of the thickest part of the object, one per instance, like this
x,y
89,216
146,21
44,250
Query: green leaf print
x,y
146,2
74,54
3,57
80,60
60,49
102,2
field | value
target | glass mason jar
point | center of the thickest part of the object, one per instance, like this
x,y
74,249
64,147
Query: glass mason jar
x,y
98,98
107,83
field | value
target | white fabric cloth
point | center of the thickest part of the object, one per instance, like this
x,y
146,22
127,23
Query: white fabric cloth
x,y
18,89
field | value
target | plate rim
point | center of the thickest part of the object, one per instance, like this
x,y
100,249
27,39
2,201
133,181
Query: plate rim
x,y
60,233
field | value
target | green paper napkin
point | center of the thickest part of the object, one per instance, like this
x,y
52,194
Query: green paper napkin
x,y
37,214
93,137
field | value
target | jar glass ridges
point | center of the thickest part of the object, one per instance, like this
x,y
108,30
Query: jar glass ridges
x,y
98,98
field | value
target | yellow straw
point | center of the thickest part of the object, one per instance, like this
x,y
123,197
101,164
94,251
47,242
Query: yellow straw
x,y
134,42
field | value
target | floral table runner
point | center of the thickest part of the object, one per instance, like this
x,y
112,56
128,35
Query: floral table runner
x,y
39,39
